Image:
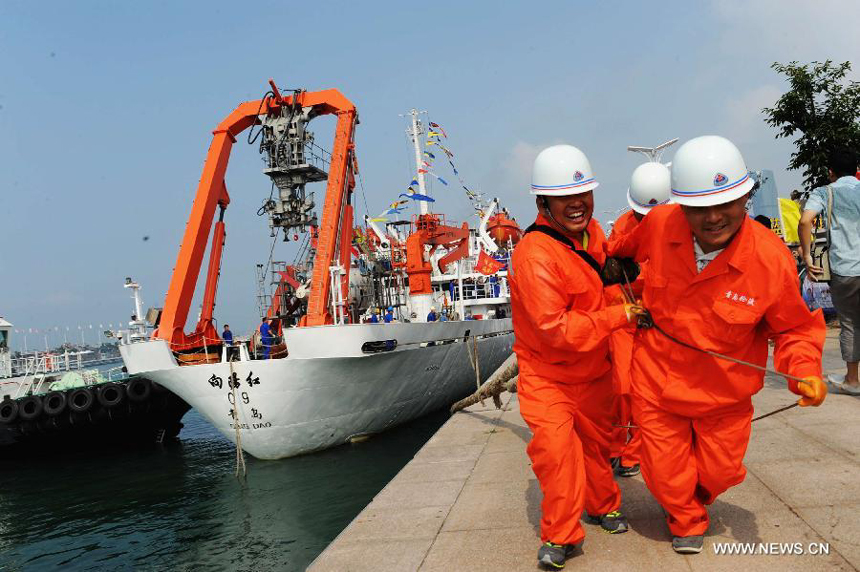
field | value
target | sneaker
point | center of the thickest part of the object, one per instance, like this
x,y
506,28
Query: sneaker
x,y
838,382
623,471
688,544
553,556
612,522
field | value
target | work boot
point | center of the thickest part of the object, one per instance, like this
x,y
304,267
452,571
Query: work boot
x,y
612,522
553,556
623,471
688,544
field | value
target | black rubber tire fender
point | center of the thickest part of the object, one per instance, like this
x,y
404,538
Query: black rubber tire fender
x,y
139,389
111,394
81,400
54,403
30,407
8,411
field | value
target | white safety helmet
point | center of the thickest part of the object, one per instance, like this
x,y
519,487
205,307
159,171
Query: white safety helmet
x,y
707,171
562,170
650,185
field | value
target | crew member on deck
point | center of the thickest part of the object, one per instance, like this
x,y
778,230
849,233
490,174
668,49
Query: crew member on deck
x,y
227,336
266,337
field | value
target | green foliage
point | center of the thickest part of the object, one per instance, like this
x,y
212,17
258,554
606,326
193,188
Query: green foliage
x,y
823,109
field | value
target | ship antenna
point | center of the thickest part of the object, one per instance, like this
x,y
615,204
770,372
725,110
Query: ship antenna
x,y
415,131
653,153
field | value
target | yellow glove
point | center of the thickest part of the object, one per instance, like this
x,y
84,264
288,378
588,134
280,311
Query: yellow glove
x,y
814,391
634,310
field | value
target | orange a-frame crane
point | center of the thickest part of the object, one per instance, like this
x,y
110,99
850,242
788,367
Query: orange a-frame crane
x,y
335,229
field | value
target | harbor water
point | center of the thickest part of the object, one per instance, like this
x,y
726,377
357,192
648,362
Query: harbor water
x,y
178,506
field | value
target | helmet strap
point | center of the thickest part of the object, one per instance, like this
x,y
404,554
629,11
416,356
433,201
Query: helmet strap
x,y
548,213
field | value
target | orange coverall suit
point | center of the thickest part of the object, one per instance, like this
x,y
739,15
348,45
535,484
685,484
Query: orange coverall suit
x,y
621,349
694,410
562,325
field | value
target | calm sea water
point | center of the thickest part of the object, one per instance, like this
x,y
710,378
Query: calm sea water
x,y
179,506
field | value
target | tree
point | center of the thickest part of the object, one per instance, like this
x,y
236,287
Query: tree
x,y
823,109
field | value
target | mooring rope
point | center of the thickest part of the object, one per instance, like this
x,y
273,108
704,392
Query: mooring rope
x,y
647,321
473,360
240,455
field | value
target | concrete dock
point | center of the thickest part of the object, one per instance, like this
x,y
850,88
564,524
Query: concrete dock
x,y
470,501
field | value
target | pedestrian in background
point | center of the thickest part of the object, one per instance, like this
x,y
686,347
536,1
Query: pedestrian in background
x,y
840,204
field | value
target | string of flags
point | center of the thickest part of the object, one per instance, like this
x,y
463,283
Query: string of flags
x,y
435,136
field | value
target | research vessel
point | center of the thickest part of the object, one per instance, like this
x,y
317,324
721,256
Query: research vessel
x,y
334,368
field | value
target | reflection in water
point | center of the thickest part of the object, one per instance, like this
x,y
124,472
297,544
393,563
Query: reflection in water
x,y
179,506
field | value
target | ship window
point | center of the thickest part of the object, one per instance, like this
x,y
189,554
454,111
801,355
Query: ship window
x,y
378,346
4,339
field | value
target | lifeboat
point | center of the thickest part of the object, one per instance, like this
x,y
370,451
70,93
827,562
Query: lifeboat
x,y
504,230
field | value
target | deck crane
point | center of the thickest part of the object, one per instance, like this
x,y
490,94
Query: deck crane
x,y
292,161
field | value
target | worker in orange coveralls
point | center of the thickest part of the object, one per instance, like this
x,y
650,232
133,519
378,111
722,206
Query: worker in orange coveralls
x,y
562,326
718,281
650,186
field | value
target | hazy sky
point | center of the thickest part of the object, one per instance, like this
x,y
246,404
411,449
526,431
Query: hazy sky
x,y
107,108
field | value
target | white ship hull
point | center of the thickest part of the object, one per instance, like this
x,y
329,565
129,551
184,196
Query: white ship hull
x,y
328,390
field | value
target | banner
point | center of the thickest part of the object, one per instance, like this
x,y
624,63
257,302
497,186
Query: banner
x,y
487,265
790,212
419,197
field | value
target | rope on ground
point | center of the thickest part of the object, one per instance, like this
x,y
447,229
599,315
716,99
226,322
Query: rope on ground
x,y
781,409
503,379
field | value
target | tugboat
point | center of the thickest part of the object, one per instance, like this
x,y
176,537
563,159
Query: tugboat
x,y
48,403
329,369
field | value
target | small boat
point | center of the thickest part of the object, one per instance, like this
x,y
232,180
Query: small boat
x,y
62,401
331,371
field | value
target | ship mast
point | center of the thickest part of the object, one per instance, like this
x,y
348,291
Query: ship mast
x,y
415,133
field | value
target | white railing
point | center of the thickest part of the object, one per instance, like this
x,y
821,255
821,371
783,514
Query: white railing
x,y
29,384
477,290
55,363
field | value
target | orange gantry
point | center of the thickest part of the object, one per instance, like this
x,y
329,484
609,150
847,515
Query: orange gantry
x,y
335,230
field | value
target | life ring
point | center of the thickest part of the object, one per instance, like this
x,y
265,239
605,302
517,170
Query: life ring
x,y
8,411
54,403
30,407
139,389
111,394
81,400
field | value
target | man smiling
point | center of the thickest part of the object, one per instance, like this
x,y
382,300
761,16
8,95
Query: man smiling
x,y
718,281
562,326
